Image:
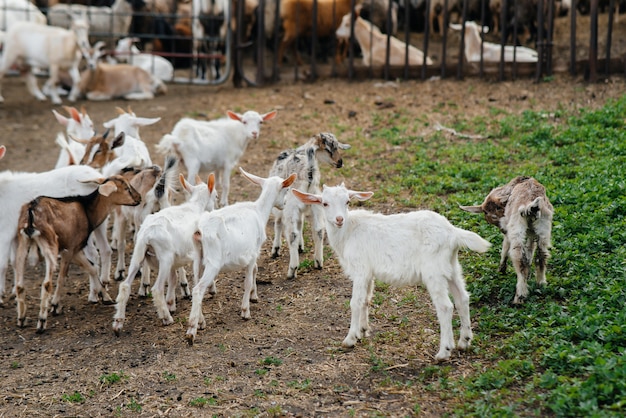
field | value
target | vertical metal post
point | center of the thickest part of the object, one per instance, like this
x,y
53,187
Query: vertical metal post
x,y
593,41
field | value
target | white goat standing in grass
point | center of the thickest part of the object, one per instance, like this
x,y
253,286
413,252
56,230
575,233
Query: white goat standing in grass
x,y
230,239
165,239
522,211
402,250
215,145
50,47
323,147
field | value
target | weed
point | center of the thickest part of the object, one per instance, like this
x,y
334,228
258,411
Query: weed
x,y
109,379
75,397
168,376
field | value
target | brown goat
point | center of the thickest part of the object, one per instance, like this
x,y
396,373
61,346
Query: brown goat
x,y
523,213
297,18
62,226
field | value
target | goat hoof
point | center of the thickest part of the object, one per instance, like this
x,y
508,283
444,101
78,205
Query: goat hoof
x,y
41,326
275,253
21,322
119,277
108,302
56,310
189,337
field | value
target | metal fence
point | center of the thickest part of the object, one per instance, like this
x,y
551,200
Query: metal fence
x,y
242,44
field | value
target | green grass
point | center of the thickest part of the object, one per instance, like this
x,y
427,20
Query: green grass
x,y
563,352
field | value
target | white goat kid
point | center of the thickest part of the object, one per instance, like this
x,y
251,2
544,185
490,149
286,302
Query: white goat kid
x,y
402,250
49,47
155,195
325,148
214,145
230,239
522,211
491,52
126,51
79,126
165,239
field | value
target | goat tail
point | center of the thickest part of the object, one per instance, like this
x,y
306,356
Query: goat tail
x,y
30,232
167,144
167,179
471,240
534,209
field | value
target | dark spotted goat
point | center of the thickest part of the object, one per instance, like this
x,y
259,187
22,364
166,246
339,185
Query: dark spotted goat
x,y
323,147
523,213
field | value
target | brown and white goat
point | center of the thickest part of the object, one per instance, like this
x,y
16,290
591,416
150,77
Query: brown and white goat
x,y
102,81
523,213
62,227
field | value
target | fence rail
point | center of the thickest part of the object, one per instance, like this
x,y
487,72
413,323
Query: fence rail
x,y
587,39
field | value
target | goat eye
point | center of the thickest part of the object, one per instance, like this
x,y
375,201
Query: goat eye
x,y
325,204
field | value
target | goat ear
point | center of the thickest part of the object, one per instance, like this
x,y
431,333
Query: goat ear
x,y
119,140
269,115
60,118
472,209
184,182
3,151
80,141
107,188
198,179
289,180
146,121
119,110
211,182
307,198
233,115
344,146
360,196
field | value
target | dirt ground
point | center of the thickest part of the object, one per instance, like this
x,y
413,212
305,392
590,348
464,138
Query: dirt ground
x,y
287,359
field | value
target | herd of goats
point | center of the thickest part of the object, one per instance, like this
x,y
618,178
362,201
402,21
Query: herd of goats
x,y
63,215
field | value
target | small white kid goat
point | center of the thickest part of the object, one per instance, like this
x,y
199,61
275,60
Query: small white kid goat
x,y
165,240
50,47
79,126
62,227
491,52
126,51
402,250
230,239
325,148
523,213
215,145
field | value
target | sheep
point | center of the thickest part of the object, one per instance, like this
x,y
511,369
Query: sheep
x,y
522,211
297,20
214,145
61,226
374,44
154,186
12,11
230,238
491,52
323,147
106,21
17,189
102,81
77,125
400,249
159,67
166,239
57,49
